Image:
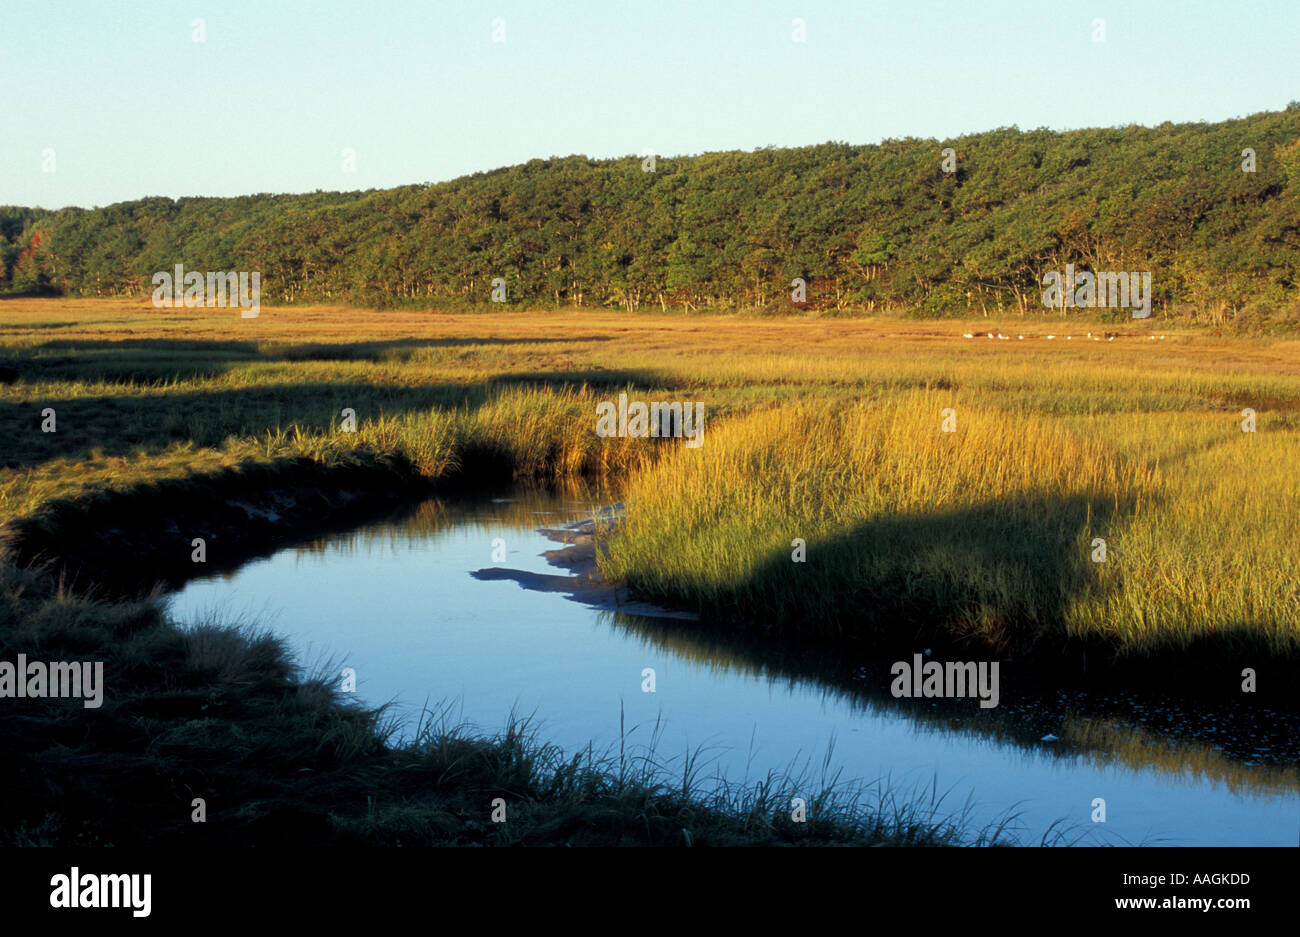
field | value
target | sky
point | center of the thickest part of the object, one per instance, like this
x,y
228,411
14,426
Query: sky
x,y
111,100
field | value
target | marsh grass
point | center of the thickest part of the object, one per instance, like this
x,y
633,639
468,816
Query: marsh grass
x,y
632,793
827,430
984,534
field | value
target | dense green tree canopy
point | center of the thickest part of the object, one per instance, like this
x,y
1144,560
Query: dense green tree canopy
x,y
866,226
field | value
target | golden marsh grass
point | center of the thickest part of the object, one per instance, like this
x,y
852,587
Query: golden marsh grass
x,y
827,430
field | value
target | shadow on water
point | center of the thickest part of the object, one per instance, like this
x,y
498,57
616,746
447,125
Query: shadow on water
x,y
1247,748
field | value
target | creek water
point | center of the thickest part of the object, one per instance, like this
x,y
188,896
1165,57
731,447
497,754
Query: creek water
x,y
399,603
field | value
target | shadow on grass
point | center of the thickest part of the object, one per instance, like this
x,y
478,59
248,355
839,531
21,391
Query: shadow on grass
x,y
998,574
156,360
120,425
995,580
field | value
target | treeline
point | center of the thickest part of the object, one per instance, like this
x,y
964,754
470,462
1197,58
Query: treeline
x,y
866,227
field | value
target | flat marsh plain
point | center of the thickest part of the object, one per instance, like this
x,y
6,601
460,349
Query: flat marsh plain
x,y
951,492
827,430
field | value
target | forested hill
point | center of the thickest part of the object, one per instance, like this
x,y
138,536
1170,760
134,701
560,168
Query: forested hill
x,y
868,227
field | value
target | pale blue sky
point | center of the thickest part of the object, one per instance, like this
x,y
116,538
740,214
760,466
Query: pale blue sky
x,y
131,106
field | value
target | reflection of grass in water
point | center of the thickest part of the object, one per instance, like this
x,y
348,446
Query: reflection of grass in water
x,y
1103,740
562,501
1107,743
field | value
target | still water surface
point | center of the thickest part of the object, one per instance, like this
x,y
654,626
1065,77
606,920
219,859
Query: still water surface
x,y
396,601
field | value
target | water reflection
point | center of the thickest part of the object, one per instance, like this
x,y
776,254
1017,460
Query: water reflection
x,y
1242,748
397,601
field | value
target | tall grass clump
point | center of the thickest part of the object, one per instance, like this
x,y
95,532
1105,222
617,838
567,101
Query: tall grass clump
x,y
978,533
1212,559
546,432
